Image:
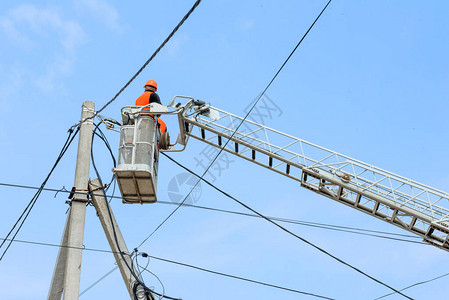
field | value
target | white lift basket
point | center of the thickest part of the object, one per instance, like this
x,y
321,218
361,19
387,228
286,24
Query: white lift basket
x,y
141,141
137,168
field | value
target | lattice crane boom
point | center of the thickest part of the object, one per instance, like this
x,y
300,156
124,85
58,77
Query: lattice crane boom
x,y
408,204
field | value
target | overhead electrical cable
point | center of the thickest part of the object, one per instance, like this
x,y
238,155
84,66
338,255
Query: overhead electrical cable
x,y
103,137
108,146
26,212
348,229
186,16
98,281
415,284
145,268
56,245
173,262
287,230
240,124
162,259
354,230
238,277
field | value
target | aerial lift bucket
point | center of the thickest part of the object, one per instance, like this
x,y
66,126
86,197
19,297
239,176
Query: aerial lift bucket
x,y
140,143
137,167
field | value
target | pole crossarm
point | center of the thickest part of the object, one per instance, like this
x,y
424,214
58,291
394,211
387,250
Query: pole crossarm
x,y
403,202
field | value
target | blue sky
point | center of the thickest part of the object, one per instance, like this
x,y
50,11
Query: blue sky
x,y
370,81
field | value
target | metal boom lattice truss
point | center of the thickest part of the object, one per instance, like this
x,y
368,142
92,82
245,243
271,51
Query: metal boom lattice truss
x,y
403,202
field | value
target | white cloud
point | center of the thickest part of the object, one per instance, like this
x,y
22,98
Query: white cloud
x,y
175,44
42,22
9,84
33,29
102,11
246,25
8,27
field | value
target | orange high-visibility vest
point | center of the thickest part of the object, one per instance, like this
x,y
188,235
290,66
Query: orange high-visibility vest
x,y
143,100
162,125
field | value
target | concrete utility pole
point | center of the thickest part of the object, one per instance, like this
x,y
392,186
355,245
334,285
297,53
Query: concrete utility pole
x,y
115,239
68,264
78,206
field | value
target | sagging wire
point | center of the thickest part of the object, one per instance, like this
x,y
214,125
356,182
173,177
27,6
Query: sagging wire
x,y
108,122
98,281
145,255
415,284
103,137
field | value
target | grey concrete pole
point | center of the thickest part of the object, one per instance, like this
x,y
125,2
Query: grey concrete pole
x,y
57,281
78,206
115,238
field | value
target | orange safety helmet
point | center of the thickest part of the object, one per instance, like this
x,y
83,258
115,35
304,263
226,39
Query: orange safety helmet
x,y
151,83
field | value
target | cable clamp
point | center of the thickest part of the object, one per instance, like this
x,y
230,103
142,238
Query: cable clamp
x,y
76,195
72,192
88,201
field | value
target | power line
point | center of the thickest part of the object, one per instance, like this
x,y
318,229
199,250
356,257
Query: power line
x,y
98,281
56,245
237,277
22,186
172,262
415,284
240,124
162,259
138,266
288,231
26,212
347,229
145,64
103,137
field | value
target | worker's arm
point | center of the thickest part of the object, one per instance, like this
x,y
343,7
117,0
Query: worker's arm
x,y
155,98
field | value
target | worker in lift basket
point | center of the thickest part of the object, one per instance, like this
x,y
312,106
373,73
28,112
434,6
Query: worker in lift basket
x,y
150,96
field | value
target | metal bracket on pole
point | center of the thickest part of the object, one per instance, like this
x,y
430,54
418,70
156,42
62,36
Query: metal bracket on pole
x,y
115,239
79,195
